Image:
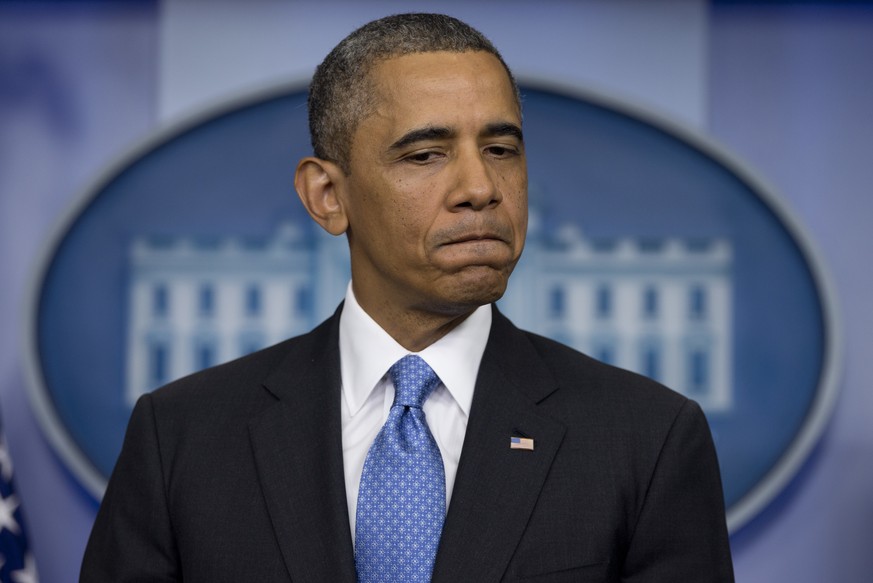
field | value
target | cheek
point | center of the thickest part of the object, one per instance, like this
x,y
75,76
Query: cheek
x,y
516,200
397,225
414,207
514,182
515,195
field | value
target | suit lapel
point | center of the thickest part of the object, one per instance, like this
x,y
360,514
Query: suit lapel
x,y
496,487
297,445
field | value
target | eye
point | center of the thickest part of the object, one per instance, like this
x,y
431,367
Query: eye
x,y
422,157
501,151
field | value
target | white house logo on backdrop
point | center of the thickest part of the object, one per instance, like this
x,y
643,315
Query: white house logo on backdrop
x,y
647,248
193,304
659,307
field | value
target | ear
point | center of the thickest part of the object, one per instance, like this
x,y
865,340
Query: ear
x,y
318,183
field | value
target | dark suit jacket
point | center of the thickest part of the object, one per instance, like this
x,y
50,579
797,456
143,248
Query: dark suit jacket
x,y
236,474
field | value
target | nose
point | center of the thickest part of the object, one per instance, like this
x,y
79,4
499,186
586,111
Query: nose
x,y
476,186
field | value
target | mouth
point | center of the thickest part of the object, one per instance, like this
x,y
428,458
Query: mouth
x,y
476,237
489,248
485,232
487,242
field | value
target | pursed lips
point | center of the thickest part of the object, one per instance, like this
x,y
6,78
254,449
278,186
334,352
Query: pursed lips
x,y
472,237
471,234
488,246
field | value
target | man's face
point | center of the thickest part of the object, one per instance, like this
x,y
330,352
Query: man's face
x,y
437,194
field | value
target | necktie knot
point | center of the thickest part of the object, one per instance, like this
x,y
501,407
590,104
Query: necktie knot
x,y
414,381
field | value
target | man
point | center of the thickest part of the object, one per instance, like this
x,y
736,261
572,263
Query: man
x,y
552,466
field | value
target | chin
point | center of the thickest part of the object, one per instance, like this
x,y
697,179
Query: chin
x,y
474,290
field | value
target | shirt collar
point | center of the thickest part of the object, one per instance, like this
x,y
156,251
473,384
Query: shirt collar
x,y
367,352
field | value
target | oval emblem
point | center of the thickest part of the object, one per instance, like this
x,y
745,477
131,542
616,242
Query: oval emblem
x,y
648,247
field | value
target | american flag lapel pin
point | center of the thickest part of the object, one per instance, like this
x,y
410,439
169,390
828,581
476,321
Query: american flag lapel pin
x,y
521,443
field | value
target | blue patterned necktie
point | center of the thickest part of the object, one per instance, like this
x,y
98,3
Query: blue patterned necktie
x,y
402,497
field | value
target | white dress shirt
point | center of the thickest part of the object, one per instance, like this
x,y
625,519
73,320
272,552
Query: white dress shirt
x,y
366,354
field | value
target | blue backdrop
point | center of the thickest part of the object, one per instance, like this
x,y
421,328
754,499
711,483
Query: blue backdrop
x,y
783,88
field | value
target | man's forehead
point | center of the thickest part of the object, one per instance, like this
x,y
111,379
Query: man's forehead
x,y
403,69
402,80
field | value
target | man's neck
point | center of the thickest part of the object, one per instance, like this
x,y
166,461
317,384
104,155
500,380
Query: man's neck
x,y
417,331
417,328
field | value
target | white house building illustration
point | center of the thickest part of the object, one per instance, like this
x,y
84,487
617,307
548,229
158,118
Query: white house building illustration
x,y
194,303
661,307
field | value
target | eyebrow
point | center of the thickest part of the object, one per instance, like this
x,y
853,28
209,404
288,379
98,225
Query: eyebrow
x,y
503,129
422,135
444,133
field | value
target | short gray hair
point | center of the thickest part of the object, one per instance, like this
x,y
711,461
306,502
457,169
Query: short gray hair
x,y
341,93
